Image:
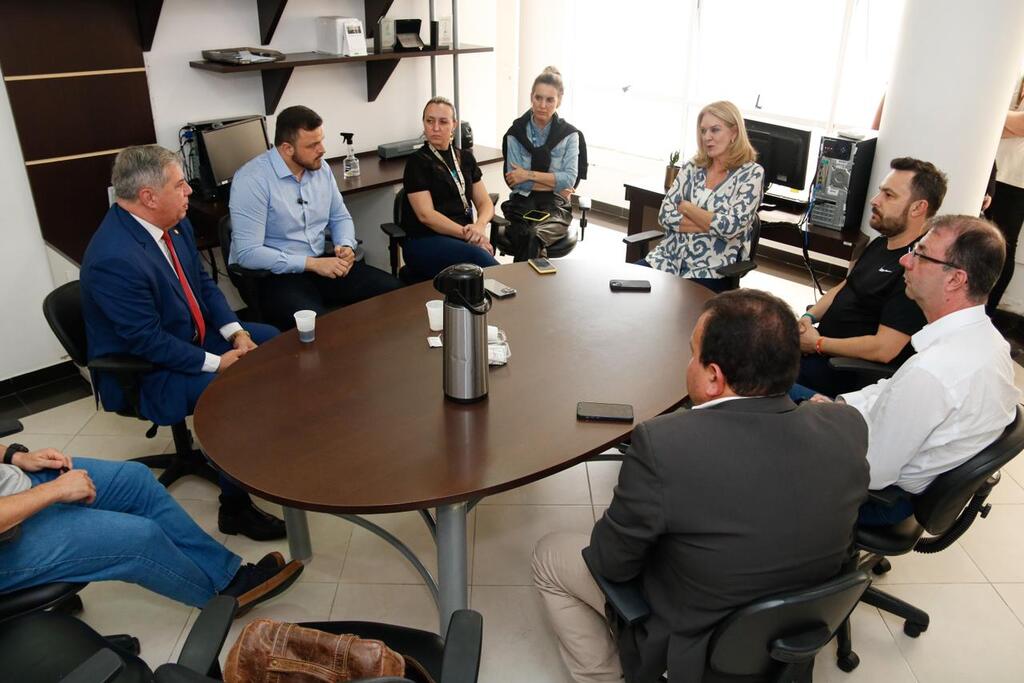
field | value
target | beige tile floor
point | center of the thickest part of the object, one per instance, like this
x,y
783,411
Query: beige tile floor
x,y
974,591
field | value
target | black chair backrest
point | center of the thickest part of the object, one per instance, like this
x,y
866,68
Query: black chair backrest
x,y
741,644
755,237
62,309
224,237
941,503
396,212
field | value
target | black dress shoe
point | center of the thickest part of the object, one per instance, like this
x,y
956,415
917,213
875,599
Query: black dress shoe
x,y
250,521
254,583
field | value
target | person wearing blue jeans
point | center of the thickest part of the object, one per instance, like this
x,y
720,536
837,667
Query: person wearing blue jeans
x,y
97,520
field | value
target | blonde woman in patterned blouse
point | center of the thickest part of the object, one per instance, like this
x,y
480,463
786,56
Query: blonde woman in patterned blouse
x,y
708,212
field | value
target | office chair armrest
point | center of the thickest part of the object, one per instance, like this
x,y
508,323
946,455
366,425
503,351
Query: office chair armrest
x,y
738,269
10,426
868,369
625,597
176,673
103,666
208,633
801,647
500,220
241,272
643,237
888,497
121,363
461,660
393,230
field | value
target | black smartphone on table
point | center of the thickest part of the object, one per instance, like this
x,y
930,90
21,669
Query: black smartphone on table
x,y
604,412
630,285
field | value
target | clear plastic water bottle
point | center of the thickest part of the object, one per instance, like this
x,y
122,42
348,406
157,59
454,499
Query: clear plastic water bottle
x,y
350,164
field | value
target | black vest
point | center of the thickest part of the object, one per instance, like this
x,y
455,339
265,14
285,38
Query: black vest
x,y
540,157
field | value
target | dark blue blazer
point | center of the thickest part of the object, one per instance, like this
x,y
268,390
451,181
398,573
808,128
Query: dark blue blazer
x,y
133,303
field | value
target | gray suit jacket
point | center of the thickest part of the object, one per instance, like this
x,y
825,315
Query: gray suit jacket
x,y
718,507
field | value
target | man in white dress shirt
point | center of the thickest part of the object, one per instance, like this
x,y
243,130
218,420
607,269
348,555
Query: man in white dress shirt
x,y
956,394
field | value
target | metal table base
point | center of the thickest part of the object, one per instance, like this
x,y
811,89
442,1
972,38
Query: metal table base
x,y
451,588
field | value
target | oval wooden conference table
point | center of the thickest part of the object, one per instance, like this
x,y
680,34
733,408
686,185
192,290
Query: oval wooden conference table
x,y
357,422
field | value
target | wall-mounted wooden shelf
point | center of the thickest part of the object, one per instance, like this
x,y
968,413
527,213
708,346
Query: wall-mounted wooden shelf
x,y
379,68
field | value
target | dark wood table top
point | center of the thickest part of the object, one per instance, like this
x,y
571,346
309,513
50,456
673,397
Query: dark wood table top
x,y
357,421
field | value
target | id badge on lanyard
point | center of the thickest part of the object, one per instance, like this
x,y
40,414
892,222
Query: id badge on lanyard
x,y
456,173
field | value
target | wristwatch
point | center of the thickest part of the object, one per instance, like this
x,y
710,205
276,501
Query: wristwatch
x,y
235,335
11,450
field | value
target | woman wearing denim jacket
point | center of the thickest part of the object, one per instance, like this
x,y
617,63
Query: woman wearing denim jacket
x,y
708,213
545,159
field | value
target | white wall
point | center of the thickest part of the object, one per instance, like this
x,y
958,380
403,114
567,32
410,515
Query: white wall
x,y
26,343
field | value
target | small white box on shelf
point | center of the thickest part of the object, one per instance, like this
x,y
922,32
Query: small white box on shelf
x,y
340,36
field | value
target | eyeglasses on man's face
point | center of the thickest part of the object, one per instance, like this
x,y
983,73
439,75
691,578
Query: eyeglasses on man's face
x,y
912,250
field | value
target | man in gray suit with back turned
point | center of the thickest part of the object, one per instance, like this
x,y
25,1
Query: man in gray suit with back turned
x,y
745,496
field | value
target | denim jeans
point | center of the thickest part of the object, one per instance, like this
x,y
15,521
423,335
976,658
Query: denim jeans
x,y
428,256
134,531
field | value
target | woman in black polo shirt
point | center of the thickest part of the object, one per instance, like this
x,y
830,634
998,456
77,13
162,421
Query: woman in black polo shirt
x,y
442,187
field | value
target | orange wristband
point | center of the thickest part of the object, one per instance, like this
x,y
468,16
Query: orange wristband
x,y
819,347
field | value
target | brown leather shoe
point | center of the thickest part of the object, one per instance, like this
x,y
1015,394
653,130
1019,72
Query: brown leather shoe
x,y
255,583
272,560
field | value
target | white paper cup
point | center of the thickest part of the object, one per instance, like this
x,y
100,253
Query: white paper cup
x,y
305,323
435,314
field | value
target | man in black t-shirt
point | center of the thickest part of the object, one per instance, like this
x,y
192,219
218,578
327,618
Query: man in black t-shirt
x,y
444,191
868,315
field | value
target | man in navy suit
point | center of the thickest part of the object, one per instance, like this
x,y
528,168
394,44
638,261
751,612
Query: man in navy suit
x,y
145,293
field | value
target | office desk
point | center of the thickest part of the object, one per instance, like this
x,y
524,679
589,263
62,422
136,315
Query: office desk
x,y
375,173
645,198
357,422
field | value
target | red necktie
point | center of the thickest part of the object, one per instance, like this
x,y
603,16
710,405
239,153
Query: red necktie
x,y
193,305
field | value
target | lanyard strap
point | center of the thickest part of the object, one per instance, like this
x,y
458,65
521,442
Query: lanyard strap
x,y
460,182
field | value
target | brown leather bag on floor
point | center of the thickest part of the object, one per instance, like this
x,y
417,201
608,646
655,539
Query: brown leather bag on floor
x,y
276,652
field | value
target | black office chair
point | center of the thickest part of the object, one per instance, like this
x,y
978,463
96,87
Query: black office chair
x,y
245,281
503,244
455,660
946,509
733,272
774,639
47,646
62,309
396,238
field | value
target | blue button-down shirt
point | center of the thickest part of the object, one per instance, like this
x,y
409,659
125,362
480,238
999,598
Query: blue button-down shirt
x,y
278,221
564,158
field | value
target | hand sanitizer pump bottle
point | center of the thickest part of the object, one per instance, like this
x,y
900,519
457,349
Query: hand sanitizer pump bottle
x,y
350,165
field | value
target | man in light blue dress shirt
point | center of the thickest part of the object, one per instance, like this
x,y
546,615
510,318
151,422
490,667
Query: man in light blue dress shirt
x,y
283,202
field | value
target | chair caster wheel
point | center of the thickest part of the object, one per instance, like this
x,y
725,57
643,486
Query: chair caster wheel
x,y
849,662
126,643
881,568
913,629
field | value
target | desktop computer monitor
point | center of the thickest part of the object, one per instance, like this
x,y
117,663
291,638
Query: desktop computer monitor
x,y
225,148
782,151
